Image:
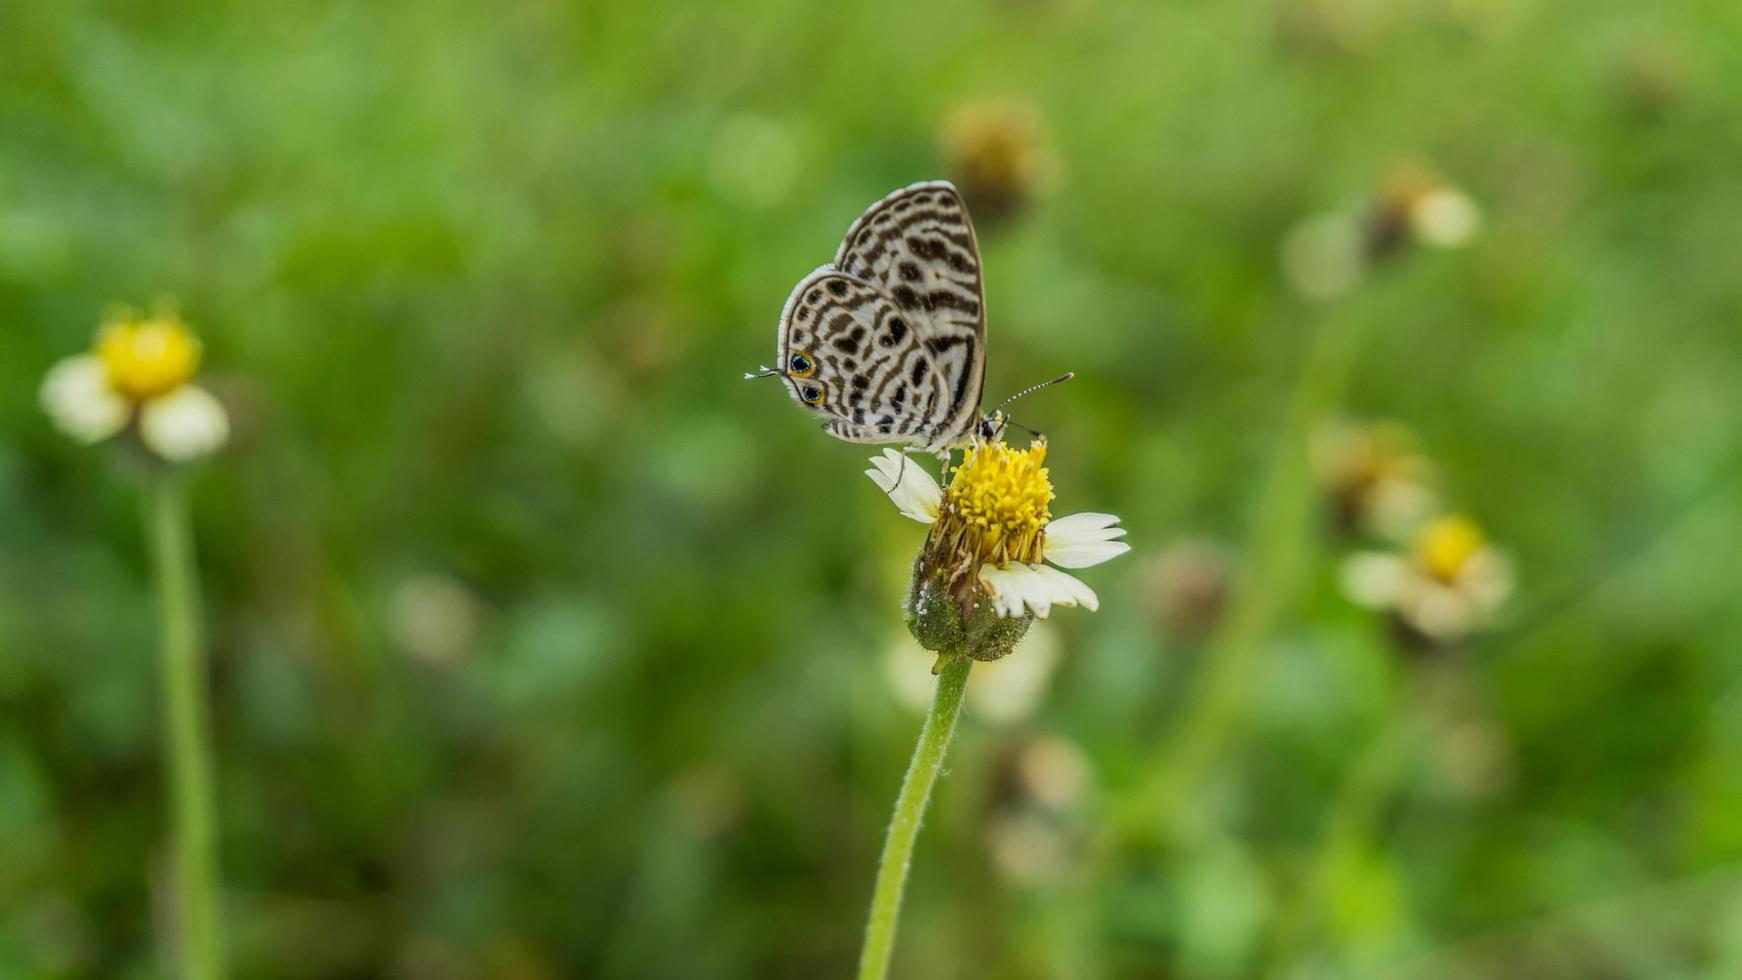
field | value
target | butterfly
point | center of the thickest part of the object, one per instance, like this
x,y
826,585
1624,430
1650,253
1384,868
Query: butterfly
x,y
888,341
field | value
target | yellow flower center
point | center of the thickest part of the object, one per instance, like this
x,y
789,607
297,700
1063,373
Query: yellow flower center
x,y
995,509
1446,545
148,358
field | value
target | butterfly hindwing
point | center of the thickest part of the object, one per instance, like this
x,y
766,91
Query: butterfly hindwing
x,y
918,247
848,351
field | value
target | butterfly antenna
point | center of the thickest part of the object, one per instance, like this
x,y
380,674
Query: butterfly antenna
x,y
1061,379
764,371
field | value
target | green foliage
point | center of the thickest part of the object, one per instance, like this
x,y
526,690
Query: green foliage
x,y
545,646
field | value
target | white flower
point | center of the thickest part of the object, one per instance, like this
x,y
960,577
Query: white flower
x,y
1449,586
1323,257
140,372
1378,480
1006,484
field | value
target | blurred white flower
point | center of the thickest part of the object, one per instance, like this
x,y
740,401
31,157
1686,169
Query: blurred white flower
x,y
1188,585
140,373
1034,829
1004,691
1323,256
1417,204
433,617
1450,584
1376,477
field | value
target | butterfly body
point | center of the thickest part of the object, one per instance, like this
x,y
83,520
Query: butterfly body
x,y
888,342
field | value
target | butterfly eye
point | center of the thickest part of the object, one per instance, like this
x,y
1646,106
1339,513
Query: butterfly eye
x,y
800,365
811,394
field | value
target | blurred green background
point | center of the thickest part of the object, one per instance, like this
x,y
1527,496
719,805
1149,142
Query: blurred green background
x,y
544,646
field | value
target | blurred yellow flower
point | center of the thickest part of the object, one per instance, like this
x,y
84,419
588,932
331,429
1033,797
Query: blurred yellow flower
x,y
999,155
139,373
1445,546
1449,583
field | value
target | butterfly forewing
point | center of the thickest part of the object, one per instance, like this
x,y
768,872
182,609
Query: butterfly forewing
x,y
918,246
849,352
890,341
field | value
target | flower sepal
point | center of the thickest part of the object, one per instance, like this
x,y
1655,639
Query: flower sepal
x,y
949,614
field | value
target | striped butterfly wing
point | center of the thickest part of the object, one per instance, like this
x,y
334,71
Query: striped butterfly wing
x,y
918,247
850,353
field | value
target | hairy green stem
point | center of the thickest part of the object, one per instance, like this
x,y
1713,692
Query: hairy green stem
x,y
922,772
187,732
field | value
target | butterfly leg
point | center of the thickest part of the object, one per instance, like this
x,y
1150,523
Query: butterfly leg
x,y
901,471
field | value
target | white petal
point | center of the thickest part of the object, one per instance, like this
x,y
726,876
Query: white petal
x,y
1036,595
907,483
1037,588
186,423
1441,611
1446,217
1487,579
1373,579
1065,590
1089,526
1081,540
77,397
1086,554
1005,586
